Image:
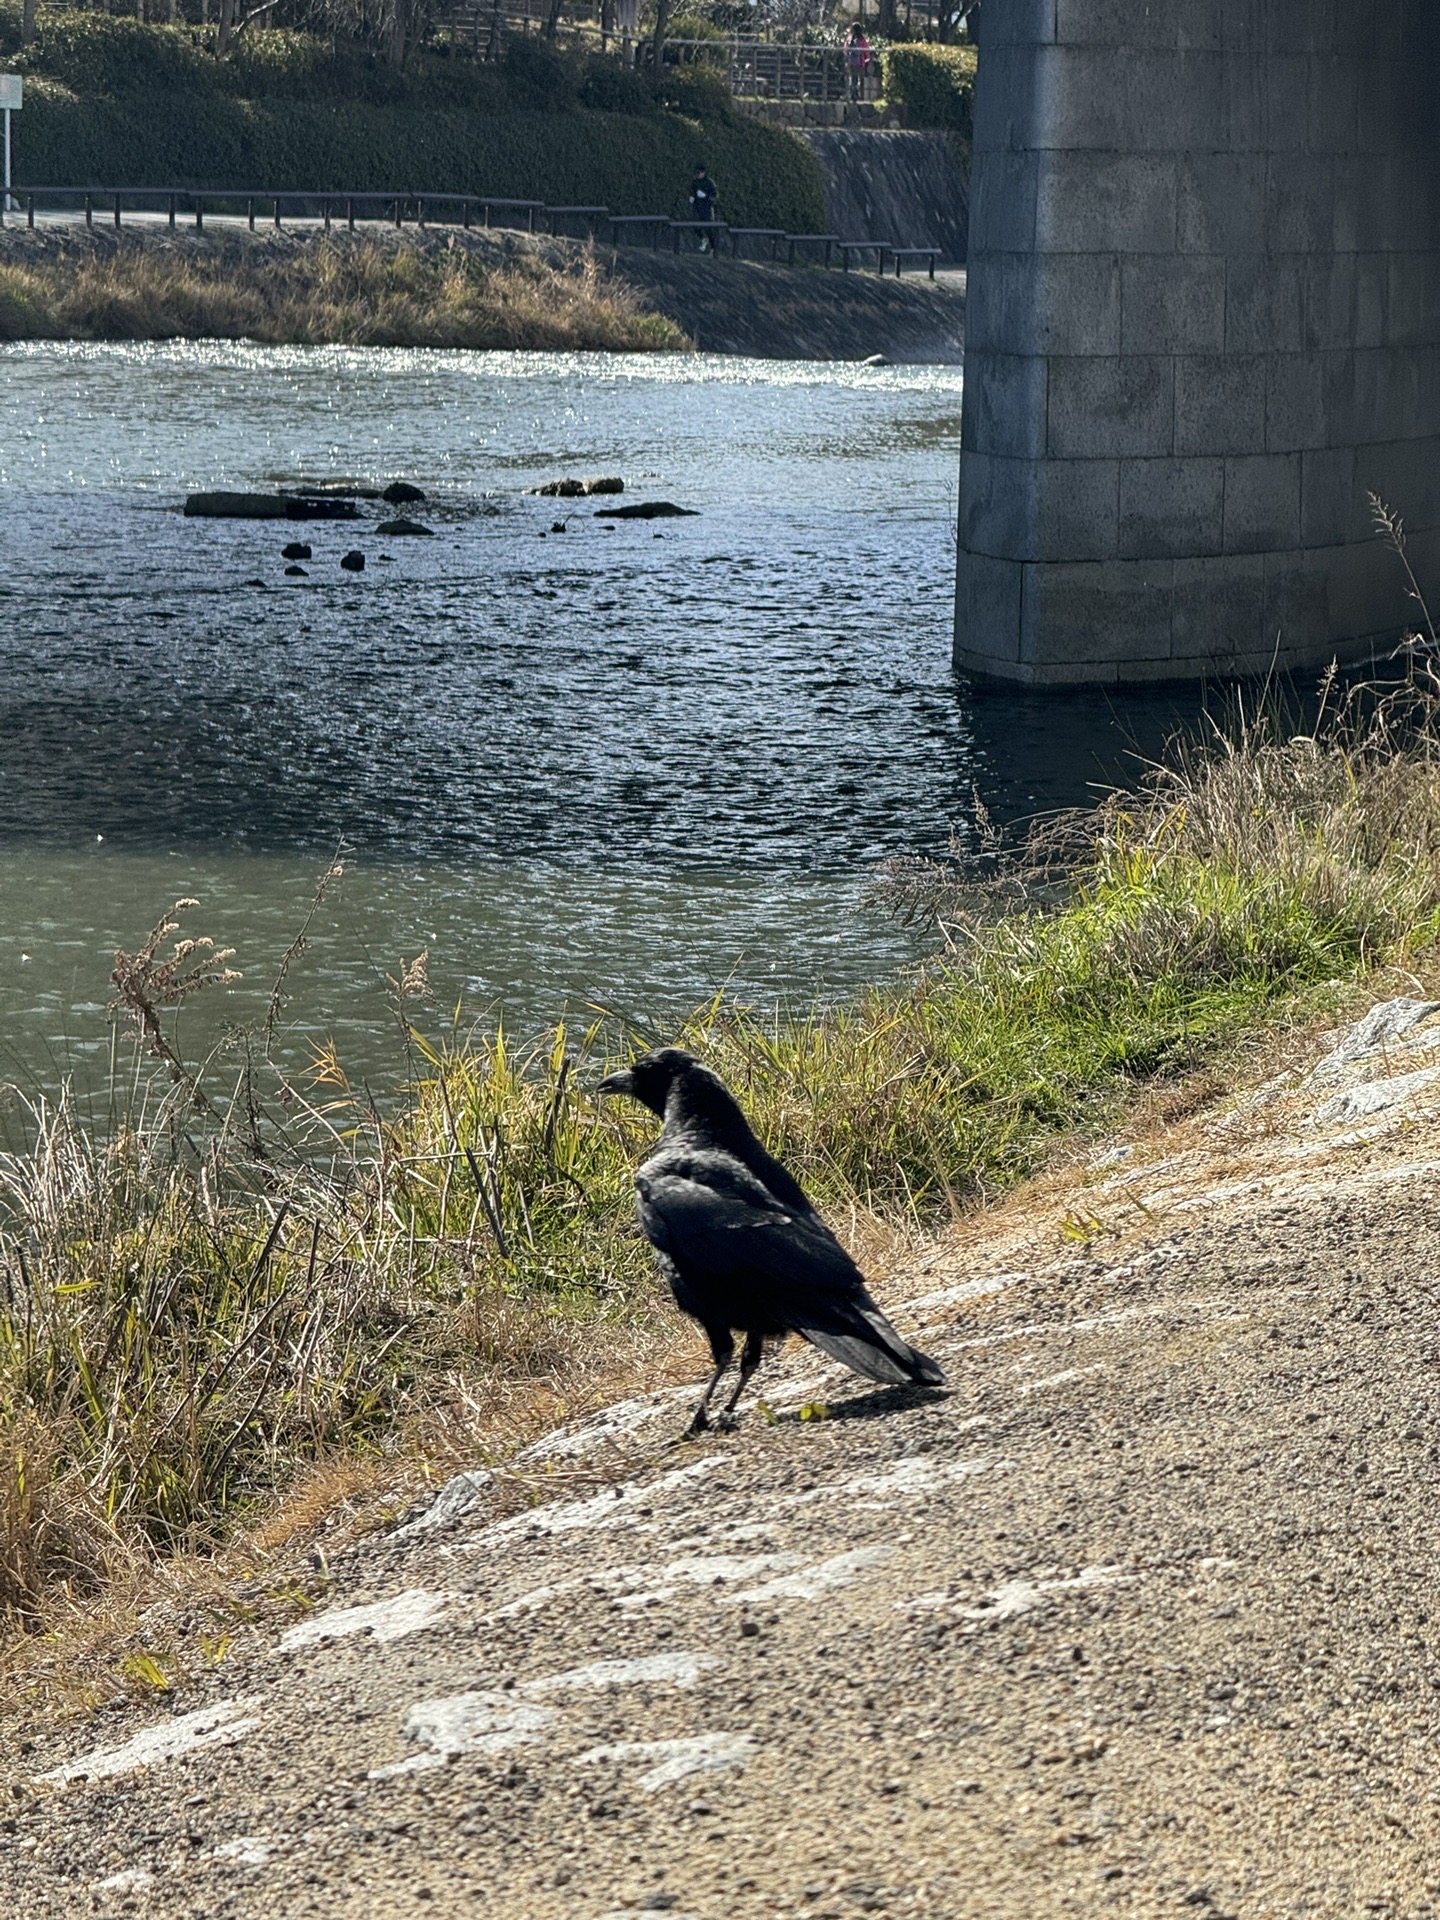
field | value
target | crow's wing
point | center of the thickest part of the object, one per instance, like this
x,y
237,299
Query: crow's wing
x,y
707,1211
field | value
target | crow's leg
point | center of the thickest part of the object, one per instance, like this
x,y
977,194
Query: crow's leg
x,y
749,1360
722,1350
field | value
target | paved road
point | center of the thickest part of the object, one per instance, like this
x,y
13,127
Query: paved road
x,y
1139,1619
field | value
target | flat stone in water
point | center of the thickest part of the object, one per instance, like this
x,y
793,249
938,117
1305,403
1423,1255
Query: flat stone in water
x,y
647,510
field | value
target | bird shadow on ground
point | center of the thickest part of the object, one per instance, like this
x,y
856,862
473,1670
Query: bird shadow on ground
x,y
866,1406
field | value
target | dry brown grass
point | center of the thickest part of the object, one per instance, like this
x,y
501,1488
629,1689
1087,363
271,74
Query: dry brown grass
x,y
156,1621
359,293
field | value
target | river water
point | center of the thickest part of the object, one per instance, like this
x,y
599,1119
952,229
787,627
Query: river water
x,y
623,764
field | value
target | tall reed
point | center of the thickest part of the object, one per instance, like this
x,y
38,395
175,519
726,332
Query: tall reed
x,y
352,293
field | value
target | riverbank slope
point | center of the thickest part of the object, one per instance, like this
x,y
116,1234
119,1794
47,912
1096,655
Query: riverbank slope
x,y
441,287
1135,1618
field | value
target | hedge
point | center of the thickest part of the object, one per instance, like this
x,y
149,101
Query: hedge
x,y
630,163
101,54
113,102
934,85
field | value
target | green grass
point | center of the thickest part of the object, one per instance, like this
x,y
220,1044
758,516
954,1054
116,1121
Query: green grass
x,y
256,1271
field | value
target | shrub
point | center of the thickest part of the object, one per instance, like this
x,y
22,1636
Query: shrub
x,y
99,54
934,85
538,74
698,92
610,87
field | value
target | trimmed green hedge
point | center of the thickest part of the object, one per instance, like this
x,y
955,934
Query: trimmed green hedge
x,y
97,53
628,162
934,85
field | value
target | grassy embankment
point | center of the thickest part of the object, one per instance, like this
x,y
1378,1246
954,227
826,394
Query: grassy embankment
x,y
347,292
110,101
252,1279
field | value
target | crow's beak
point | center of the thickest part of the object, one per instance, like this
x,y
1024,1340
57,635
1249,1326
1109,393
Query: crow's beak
x,y
616,1083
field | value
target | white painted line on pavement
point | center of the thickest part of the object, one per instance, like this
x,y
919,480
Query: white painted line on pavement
x,y
382,1620
678,1759
220,1725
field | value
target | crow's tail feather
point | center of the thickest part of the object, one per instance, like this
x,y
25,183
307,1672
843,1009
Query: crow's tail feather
x,y
875,1350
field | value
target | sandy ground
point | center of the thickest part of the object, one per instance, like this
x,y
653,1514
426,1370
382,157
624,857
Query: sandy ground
x,y
725,305
1139,1618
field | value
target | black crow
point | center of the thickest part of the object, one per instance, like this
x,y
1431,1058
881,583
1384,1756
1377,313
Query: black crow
x,y
740,1245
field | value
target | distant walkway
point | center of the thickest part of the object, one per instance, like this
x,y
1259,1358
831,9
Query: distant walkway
x,y
118,206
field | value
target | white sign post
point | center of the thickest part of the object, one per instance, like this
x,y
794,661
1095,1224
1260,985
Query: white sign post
x,y
12,86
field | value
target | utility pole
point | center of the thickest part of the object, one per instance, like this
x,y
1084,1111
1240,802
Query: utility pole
x,y
12,88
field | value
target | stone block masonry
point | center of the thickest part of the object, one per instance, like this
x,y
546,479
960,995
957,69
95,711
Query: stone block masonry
x,y
1203,325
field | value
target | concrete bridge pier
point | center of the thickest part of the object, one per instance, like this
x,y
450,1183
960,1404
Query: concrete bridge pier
x,y
1203,325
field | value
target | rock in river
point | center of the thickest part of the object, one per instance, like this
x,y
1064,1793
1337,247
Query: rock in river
x,y
295,550
265,506
398,527
334,490
400,493
646,510
353,562
576,489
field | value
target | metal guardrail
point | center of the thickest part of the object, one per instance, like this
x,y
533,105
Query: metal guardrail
x,y
781,70
458,209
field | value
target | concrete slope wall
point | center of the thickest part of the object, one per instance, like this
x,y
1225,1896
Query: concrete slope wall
x,y
909,188
1204,323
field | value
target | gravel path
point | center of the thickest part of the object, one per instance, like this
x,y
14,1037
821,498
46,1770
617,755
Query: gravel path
x,y
1136,1620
